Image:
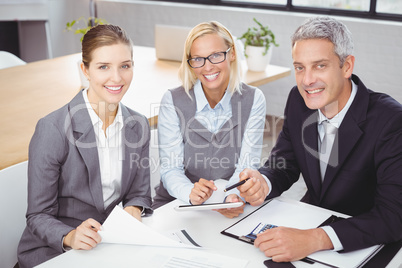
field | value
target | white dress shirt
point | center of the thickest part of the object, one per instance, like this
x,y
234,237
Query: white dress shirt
x,y
110,150
171,147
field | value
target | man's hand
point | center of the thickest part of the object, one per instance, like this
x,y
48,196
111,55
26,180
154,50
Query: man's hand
x,y
284,244
134,211
232,212
201,191
255,190
85,236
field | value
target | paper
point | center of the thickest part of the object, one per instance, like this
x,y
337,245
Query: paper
x,y
118,255
182,236
301,216
122,228
188,258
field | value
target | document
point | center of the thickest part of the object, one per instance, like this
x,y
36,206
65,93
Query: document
x,y
188,258
302,216
122,228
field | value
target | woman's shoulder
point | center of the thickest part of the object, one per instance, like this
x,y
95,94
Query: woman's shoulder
x,y
56,117
248,90
131,116
168,95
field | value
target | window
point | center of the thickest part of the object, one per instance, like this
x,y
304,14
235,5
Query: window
x,y
362,5
372,9
389,6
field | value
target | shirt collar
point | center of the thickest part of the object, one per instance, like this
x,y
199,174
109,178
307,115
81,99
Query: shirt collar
x,y
337,119
202,102
96,121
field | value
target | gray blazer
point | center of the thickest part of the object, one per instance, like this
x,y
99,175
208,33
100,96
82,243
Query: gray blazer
x,y
64,185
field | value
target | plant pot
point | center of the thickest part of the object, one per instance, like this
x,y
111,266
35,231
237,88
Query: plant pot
x,y
256,61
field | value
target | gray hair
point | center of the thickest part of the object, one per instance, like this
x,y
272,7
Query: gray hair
x,y
326,28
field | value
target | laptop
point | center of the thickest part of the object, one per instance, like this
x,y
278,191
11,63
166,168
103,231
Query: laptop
x,y
169,41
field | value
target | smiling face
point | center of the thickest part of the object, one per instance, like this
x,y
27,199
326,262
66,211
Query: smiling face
x,y
321,81
213,77
109,73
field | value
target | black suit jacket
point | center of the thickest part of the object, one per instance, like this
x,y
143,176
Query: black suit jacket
x,y
364,179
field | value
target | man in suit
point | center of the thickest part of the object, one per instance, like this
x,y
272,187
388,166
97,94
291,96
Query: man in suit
x,y
359,171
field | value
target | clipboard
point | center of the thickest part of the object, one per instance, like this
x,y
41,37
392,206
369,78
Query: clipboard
x,y
295,214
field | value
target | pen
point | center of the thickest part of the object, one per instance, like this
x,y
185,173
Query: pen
x,y
236,185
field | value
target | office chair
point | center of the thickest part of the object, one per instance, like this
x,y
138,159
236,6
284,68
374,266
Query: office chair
x,y
8,59
13,206
154,161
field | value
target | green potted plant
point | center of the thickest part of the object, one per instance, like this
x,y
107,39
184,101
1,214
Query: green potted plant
x,y
258,44
87,24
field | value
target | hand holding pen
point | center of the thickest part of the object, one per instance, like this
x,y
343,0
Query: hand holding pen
x,y
256,189
236,185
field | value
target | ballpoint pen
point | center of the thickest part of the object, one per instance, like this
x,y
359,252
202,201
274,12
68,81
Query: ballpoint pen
x,y
236,185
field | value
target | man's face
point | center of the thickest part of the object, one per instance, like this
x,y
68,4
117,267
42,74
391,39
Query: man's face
x,y
321,81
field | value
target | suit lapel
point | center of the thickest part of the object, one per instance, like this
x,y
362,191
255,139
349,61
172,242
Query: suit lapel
x,y
310,143
130,142
85,141
349,134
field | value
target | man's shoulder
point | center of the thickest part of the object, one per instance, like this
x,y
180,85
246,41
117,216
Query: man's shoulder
x,y
383,103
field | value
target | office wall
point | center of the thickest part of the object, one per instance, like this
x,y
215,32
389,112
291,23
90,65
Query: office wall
x,y
59,13
378,44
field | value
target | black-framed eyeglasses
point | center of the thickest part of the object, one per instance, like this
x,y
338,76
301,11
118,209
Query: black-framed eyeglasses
x,y
214,58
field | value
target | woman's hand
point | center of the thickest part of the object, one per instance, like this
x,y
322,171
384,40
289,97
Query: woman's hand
x,y
232,212
201,191
134,211
85,236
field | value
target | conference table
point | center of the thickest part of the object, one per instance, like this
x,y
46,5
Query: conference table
x,y
204,227
31,91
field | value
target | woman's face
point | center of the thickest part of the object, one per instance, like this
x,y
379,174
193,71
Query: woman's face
x,y
213,77
109,73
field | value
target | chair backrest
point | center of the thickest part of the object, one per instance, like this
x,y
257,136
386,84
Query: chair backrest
x,y
154,161
8,59
13,207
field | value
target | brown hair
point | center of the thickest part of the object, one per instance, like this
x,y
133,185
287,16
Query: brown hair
x,y
103,35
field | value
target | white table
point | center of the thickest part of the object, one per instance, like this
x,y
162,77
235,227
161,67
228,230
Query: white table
x,y
203,226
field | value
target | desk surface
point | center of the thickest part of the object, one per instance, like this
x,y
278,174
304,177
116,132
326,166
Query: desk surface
x,y
203,226
31,91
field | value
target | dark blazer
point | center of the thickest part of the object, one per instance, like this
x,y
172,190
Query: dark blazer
x,y
365,180
64,185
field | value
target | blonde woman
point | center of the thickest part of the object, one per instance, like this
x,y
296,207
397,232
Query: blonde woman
x,y
211,127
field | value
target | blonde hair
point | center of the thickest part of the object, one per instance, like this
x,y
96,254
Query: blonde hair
x,y
186,73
